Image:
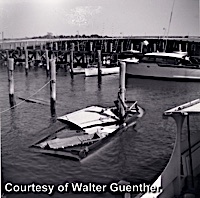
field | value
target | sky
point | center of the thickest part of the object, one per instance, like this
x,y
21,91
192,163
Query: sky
x,y
28,18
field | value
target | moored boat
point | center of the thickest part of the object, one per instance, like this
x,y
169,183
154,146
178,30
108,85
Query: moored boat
x,y
180,177
165,65
78,70
93,71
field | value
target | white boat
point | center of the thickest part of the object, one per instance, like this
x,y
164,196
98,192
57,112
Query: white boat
x,y
78,134
78,70
178,177
93,71
165,65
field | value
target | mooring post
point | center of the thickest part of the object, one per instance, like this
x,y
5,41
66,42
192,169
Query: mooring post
x,y
53,87
78,48
154,47
99,63
131,46
122,46
105,46
180,47
56,46
41,46
26,61
141,47
122,88
47,61
7,54
91,45
65,46
111,47
11,81
72,60
186,47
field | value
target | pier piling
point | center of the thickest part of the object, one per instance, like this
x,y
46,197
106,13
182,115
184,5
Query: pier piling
x,y
72,60
122,88
99,63
53,87
11,81
26,61
47,62
122,46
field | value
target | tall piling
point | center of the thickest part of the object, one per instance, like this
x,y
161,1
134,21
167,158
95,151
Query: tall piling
x,y
56,46
7,55
91,46
26,61
78,47
105,46
122,46
47,62
72,60
111,47
11,81
141,46
99,64
53,87
122,89
154,47
131,46
180,47
65,46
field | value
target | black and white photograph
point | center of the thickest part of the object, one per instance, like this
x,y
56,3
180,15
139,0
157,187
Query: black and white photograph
x,y
100,98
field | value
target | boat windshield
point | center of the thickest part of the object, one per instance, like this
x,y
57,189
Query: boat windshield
x,y
169,60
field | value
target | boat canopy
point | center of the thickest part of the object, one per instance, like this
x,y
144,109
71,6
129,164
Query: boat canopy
x,y
192,107
173,55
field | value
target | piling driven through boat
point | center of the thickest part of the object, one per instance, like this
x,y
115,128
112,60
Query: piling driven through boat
x,y
80,133
165,65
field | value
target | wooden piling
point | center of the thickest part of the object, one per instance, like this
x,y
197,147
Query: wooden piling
x,y
91,46
65,46
131,46
56,46
122,46
186,47
141,46
11,81
99,63
180,47
163,46
154,47
7,54
111,47
26,61
105,46
53,87
122,88
78,48
47,62
72,60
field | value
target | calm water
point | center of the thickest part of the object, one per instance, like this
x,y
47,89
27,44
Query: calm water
x,y
137,155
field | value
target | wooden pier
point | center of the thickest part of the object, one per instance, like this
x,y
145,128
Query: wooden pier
x,y
84,51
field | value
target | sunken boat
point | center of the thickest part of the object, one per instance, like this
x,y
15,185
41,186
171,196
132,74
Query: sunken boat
x,y
79,134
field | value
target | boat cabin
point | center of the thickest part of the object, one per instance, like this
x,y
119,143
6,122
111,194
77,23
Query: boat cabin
x,y
170,59
130,54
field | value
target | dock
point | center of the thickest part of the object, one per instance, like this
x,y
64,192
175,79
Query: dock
x,y
34,51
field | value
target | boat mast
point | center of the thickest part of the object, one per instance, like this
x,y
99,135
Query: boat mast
x,y
169,25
